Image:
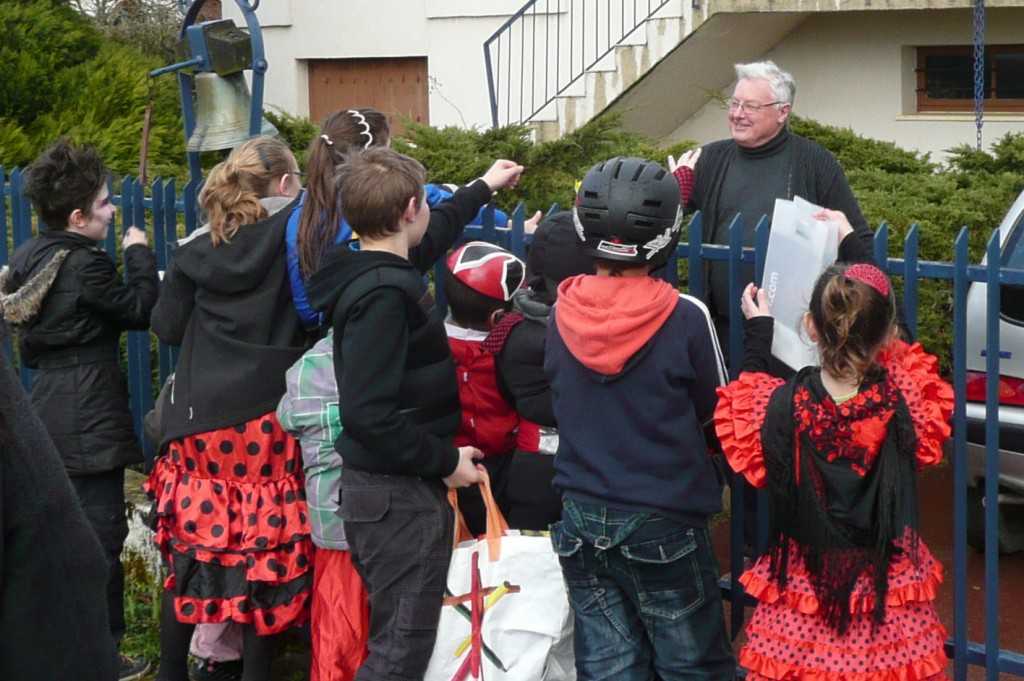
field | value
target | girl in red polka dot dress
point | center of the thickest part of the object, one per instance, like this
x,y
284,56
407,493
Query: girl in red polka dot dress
x,y
231,515
845,590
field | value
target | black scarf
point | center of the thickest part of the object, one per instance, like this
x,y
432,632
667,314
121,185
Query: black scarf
x,y
843,506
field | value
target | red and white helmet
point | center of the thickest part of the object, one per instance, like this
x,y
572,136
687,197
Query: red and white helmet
x,y
487,269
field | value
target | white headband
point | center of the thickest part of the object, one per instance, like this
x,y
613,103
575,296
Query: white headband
x,y
361,119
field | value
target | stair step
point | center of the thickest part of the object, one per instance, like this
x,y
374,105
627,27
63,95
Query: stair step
x,y
616,71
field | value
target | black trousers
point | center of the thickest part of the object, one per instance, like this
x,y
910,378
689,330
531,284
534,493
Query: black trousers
x,y
102,499
532,503
399,530
521,484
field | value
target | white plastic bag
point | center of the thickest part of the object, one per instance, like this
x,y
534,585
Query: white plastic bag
x,y
800,248
512,585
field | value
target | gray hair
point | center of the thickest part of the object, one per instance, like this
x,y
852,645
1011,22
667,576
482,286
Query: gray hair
x,y
781,82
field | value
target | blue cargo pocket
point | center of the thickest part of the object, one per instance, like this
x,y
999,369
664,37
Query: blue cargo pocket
x,y
667,574
567,547
364,505
563,542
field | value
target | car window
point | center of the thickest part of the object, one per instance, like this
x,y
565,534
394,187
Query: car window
x,y
1012,297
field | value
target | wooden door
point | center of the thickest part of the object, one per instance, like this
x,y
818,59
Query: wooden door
x,y
396,86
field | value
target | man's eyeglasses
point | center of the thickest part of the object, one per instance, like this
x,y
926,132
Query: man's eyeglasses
x,y
297,173
750,107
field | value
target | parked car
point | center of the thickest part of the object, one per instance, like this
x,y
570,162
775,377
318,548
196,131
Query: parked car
x,y
1011,395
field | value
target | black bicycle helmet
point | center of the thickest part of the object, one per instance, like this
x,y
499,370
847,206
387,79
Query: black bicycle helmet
x,y
627,210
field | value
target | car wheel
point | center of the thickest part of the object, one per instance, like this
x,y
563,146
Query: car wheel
x,y
1011,523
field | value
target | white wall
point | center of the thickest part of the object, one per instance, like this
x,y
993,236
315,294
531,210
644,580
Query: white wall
x,y
856,69
450,33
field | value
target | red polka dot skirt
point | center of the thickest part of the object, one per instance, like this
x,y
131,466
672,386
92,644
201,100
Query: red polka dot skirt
x,y
788,640
231,521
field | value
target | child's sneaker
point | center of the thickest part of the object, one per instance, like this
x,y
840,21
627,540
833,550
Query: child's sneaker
x,y
209,670
131,668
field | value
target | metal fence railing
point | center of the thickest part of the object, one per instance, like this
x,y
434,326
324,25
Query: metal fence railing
x,y
547,45
167,214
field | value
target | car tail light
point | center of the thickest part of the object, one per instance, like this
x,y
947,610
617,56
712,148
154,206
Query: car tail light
x,y
1011,389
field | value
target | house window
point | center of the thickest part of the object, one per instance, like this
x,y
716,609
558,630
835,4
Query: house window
x,y
945,78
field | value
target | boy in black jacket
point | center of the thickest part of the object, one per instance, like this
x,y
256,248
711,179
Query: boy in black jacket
x,y
64,295
555,254
633,369
398,397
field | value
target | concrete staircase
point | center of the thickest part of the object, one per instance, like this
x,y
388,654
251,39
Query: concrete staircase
x,y
609,78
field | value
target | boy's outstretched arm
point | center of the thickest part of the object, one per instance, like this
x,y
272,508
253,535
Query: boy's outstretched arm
x,y
447,220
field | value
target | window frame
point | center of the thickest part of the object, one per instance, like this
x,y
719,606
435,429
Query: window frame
x,y
926,104
1010,313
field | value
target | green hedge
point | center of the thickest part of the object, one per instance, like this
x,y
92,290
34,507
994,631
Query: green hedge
x,y
552,168
59,77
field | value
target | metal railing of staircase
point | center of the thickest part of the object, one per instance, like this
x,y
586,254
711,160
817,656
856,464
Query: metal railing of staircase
x,y
558,42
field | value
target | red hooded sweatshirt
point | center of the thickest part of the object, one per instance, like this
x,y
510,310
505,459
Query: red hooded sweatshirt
x,y
604,321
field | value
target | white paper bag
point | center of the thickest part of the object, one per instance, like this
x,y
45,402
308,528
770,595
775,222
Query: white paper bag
x,y
800,248
525,621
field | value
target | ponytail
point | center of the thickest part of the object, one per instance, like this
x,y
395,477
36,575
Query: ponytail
x,y
231,196
342,132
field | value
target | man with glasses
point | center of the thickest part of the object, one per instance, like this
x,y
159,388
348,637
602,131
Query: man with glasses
x,y
764,161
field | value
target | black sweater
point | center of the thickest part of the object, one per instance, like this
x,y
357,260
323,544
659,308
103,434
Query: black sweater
x,y
729,178
230,308
520,364
397,392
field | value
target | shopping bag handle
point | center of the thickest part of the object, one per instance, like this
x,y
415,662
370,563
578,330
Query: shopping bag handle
x,y
497,526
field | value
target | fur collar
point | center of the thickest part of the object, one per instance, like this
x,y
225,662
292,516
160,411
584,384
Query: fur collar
x,y
19,307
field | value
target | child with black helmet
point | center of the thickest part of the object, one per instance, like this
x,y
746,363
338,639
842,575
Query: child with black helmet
x,y
633,368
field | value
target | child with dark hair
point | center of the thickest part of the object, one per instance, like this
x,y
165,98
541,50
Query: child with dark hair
x,y
317,223
479,283
397,397
846,576
64,296
556,253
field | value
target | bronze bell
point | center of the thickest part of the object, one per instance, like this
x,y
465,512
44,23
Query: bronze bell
x,y
222,113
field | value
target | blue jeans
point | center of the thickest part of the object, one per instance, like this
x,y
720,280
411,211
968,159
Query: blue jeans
x,y
644,593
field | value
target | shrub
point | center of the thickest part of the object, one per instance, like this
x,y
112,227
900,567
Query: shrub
x,y
855,152
106,110
459,155
57,79
41,38
18,149
296,131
